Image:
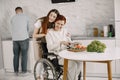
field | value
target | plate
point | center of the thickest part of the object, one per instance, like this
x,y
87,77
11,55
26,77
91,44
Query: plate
x,y
76,50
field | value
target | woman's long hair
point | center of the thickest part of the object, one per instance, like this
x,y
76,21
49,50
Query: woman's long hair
x,y
46,20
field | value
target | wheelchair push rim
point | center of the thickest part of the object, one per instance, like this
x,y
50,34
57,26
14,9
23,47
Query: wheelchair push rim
x,y
43,69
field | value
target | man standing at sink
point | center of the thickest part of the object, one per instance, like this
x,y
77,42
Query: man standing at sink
x,y
20,37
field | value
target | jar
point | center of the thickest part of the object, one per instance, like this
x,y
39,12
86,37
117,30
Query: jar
x,y
102,33
95,32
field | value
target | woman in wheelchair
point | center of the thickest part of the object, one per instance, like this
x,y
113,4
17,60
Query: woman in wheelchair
x,y
58,39
42,25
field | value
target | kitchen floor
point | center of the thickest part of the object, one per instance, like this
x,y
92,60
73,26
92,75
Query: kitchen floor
x,y
12,76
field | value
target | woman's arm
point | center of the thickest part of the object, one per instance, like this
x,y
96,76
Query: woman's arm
x,y
36,34
37,30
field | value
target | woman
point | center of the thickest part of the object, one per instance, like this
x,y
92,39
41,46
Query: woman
x,y
57,39
42,25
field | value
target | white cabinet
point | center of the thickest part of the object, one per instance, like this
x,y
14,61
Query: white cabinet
x,y
117,61
98,68
117,9
117,43
117,30
8,56
118,67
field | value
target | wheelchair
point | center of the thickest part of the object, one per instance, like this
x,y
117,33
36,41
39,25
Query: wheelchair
x,y
48,68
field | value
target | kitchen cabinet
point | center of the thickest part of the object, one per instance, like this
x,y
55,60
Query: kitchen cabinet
x,y
8,56
117,9
117,43
117,61
118,67
98,68
117,30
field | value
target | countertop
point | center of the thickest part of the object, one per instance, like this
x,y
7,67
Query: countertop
x,y
76,37
92,38
10,39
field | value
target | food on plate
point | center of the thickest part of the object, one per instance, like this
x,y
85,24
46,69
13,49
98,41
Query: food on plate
x,y
96,46
76,47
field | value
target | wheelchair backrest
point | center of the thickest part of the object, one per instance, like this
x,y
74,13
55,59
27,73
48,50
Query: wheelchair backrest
x,y
44,49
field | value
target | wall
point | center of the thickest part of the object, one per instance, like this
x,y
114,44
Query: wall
x,y
81,15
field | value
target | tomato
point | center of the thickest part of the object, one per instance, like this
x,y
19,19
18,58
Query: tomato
x,y
78,46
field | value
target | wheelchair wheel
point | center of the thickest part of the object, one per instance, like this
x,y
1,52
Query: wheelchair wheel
x,y
44,70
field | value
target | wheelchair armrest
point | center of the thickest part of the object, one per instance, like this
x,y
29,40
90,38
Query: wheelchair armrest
x,y
50,54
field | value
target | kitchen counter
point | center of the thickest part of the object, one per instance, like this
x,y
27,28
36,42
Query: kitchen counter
x,y
78,38
10,39
91,38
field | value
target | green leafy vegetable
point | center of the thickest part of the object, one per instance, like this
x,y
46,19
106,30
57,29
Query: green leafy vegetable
x,y
96,46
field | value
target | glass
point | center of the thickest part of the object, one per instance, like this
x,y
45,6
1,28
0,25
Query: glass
x,y
89,32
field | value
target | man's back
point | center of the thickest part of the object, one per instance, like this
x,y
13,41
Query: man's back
x,y
20,27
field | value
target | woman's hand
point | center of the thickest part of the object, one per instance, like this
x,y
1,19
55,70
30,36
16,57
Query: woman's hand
x,y
68,35
43,35
65,43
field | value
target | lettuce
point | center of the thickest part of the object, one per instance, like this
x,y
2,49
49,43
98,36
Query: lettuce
x,y
96,46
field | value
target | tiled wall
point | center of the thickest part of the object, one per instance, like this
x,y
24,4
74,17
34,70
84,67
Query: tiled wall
x,y
81,15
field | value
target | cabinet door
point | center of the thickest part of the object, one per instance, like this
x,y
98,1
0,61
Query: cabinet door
x,y
117,43
118,67
117,30
117,61
117,9
8,55
98,68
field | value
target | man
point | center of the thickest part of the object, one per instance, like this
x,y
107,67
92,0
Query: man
x,y
20,37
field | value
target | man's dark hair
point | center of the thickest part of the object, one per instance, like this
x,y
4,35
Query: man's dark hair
x,y
18,8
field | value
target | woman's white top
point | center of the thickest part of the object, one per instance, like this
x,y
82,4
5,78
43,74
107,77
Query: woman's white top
x,y
37,24
54,38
